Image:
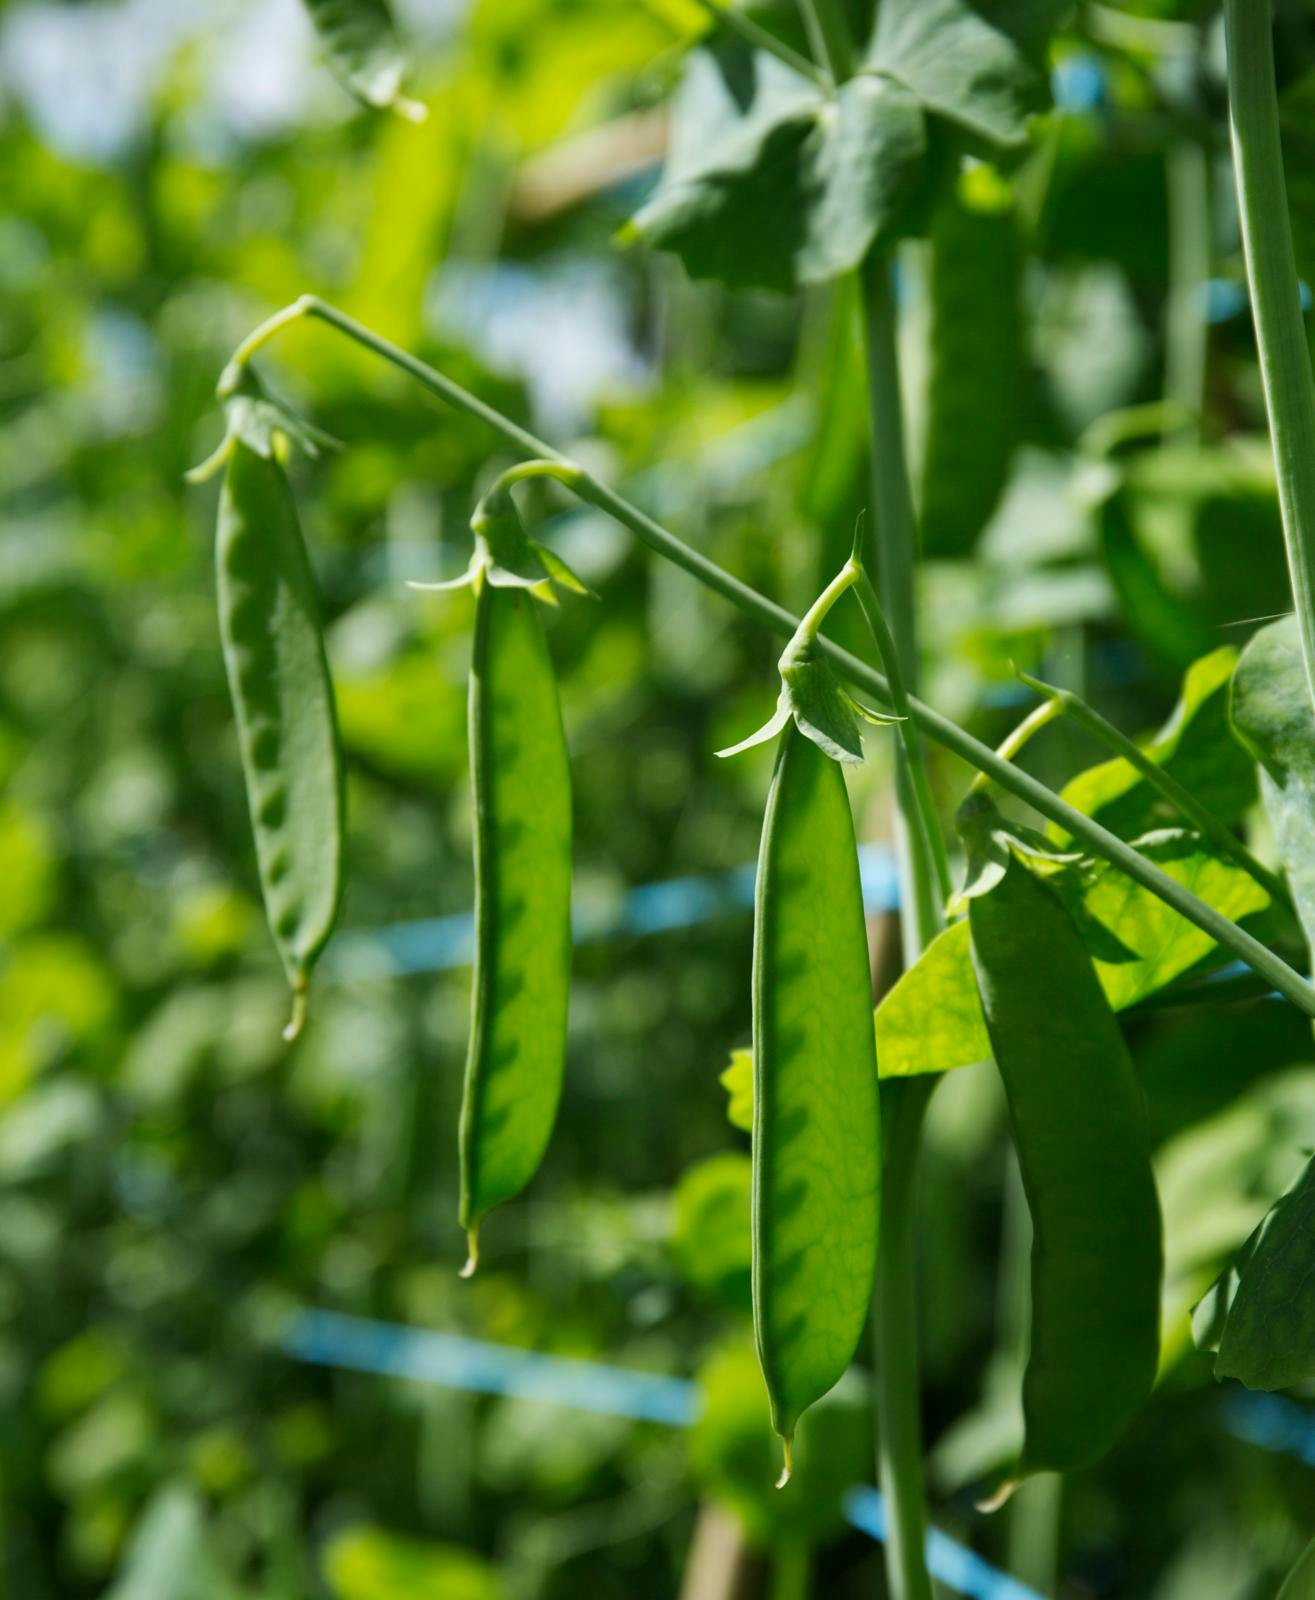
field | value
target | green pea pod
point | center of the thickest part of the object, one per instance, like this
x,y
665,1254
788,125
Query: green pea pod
x,y
279,680
522,805
1080,1128
816,1128
974,401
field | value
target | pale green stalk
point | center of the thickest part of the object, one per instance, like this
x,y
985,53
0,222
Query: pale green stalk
x,y
1285,368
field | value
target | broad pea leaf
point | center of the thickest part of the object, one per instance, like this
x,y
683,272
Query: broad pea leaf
x,y
931,1021
980,63
737,1080
1194,745
769,182
1273,718
1260,1315
1215,1179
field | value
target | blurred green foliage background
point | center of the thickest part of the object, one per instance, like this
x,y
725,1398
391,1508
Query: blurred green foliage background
x,y
174,1183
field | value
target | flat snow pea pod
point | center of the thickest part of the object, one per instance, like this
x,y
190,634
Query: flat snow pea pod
x,y
1080,1128
522,798
816,1131
279,680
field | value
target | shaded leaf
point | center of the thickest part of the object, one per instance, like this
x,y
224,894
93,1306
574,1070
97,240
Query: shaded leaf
x,y
1273,718
769,183
1260,1315
980,63
1194,746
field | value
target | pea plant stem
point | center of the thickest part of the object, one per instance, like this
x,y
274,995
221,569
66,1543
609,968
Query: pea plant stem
x,y
828,36
1285,367
758,608
1182,799
895,1322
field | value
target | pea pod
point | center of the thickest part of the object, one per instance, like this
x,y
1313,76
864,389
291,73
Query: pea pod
x,y
816,1141
279,680
521,786
816,1122
522,793
1079,1124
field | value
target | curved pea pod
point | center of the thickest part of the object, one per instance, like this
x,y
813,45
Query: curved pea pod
x,y
522,797
816,1128
279,680
1080,1128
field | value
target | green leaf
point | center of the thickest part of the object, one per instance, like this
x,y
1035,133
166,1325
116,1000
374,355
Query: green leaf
x,y
1260,1315
769,183
1194,746
737,1080
365,1563
980,63
362,50
1273,718
711,1238
931,1021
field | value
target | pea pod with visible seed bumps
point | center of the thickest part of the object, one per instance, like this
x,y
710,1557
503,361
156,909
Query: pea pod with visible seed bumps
x,y
816,1119
279,680
521,785
1079,1124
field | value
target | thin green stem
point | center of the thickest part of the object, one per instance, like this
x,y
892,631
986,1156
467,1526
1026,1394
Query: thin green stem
x,y
917,830
828,36
758,608
1275,296
1011,746
563,472
1182,799
933,836
895,1340
893,547
761,39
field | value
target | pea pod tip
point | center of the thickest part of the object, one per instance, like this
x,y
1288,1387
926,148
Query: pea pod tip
x,y
787,1467
472,1259
297,1021
995,1500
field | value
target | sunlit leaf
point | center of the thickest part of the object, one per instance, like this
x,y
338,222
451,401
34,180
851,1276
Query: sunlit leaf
x,y
931,1021
1194,746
